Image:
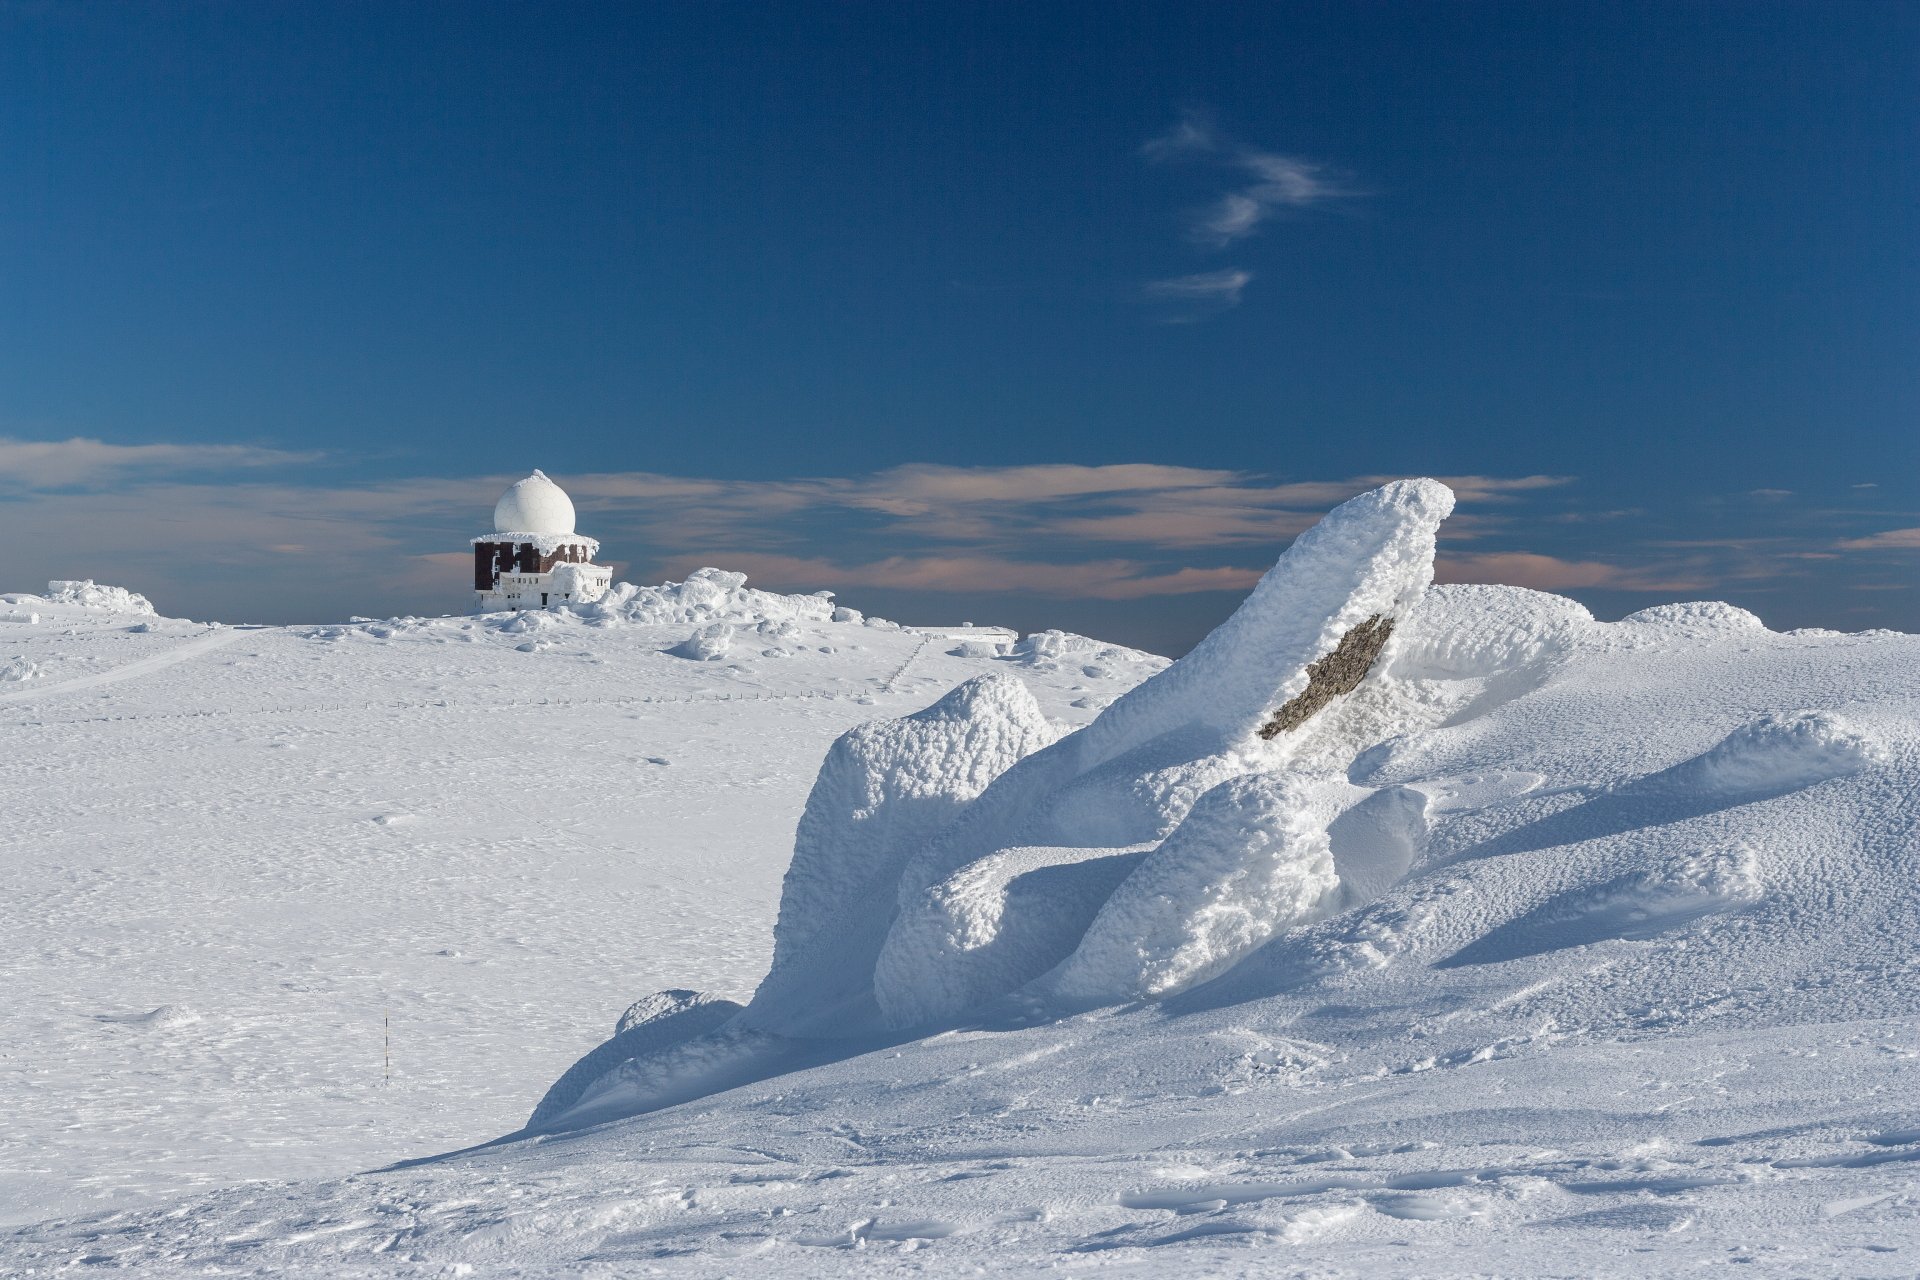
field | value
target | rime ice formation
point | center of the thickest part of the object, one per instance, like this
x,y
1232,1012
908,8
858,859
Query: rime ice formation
x,y
709,644
1130,777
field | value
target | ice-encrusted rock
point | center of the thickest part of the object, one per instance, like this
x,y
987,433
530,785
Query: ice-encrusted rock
x,y
1231,707
884,790
1371,557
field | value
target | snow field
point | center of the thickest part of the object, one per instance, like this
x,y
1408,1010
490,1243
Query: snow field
x,y
228,853
1550,947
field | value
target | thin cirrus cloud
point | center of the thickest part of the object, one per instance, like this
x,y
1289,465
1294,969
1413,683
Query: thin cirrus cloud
x,y
1107,579
1011,508
1890,540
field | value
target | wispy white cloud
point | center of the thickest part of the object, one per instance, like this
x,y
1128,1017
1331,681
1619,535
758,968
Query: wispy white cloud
x,y
1191,134
1281,182
1207,285
1235,216
1198,296
54,464
1267,180
1890,540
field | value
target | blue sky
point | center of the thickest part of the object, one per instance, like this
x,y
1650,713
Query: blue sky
x,y
1049,314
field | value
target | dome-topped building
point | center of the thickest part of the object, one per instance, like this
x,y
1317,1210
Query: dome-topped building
x,y
533,558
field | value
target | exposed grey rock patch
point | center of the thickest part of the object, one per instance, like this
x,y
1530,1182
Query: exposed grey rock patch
x,y
1339,672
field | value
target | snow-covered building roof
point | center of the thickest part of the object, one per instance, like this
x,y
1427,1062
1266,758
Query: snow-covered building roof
x,y
535,505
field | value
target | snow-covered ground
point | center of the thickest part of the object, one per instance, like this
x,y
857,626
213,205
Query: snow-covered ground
x,y
230,856
1395,930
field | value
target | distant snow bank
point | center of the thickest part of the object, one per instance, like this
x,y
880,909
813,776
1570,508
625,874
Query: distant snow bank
x,y
707,596
89,594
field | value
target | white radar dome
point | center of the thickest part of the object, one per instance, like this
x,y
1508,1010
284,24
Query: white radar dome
x,y
533,505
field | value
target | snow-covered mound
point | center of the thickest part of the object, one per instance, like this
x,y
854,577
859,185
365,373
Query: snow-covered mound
x,y
707,596
89,594
885,790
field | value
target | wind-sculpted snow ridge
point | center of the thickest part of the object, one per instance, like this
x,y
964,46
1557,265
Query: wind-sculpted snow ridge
x,y
1779,751
1063,650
